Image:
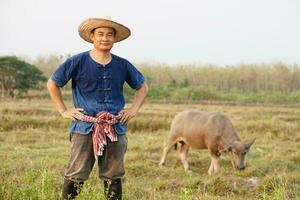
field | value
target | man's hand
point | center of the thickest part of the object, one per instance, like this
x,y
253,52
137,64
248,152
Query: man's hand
x,y
74,114
126,114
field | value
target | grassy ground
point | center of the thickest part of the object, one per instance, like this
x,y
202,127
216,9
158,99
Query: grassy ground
x,y
34,150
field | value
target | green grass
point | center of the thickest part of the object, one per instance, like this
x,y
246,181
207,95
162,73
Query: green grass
x,y
34,149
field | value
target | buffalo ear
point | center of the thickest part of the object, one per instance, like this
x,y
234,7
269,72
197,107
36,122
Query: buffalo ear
x,y
248,145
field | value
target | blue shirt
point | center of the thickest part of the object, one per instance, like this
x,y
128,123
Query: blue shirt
x,y
96,87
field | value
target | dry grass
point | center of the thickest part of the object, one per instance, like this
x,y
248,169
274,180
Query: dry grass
x,y
34,151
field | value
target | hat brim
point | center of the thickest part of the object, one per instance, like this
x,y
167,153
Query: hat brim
x,y
86,27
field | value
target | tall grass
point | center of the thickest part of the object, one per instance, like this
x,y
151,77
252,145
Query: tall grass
x,y
243,83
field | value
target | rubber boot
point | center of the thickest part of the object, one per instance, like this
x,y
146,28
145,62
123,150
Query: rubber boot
x,y
113,189
71,189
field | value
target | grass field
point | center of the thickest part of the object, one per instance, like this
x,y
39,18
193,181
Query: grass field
x,y
34,149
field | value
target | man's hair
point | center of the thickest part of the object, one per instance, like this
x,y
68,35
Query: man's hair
x,y
114,30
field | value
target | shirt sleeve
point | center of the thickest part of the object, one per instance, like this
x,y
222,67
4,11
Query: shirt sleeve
x,y
134,77
63,73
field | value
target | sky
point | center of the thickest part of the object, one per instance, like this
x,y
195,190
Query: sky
x,y
221,32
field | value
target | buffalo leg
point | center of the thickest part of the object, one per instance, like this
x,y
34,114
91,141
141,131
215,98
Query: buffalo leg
x,y
171,142
214,165
183,155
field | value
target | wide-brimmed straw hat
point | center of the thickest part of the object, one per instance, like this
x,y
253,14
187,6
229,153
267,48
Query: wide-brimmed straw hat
x,y
87,26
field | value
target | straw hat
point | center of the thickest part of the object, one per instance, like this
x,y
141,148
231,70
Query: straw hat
x,y
87,26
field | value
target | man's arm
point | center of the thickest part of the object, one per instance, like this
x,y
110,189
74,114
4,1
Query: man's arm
x,y
56,97
140,95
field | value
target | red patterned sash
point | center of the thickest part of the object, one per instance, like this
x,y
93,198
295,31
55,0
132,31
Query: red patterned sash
x,y
103,126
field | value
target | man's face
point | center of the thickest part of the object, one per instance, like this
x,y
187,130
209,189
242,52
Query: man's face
x,y
103,38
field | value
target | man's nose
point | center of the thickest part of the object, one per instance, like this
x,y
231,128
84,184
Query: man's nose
x,y
104,38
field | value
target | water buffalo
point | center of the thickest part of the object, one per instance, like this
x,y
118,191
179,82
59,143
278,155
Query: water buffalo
x,y
206,130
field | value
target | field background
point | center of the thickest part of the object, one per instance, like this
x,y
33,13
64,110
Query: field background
x,y
262,100
34,149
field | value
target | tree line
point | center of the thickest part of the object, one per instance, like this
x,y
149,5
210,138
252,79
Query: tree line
x,y
274,82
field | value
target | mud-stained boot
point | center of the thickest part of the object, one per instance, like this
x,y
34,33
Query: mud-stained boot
x,y
71,189
113,189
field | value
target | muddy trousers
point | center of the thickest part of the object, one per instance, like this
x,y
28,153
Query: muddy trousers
x,y
112,189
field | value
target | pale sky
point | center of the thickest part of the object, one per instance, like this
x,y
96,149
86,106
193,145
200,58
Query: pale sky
x,y
169,31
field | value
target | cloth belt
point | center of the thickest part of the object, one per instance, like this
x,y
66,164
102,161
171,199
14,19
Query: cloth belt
x,y
103,126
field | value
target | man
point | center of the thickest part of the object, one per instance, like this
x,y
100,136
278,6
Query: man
x,y
97,77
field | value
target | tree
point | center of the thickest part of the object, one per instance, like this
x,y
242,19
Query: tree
x,y
17,76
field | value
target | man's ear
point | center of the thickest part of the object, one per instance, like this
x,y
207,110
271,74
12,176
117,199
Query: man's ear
x,y
92,36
